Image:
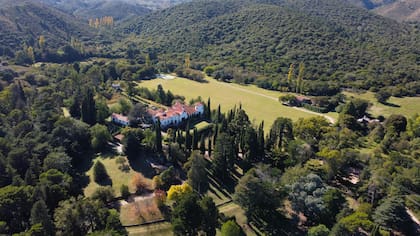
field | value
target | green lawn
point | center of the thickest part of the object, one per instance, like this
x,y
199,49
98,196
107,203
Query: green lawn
x,y
260,104
202,126
66,112
117,176
408,106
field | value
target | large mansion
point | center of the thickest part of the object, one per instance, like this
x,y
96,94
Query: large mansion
x,y
176,114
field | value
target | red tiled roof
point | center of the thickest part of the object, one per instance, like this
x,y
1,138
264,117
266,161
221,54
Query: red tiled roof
x,y
119,137
177,109
190,110
302,98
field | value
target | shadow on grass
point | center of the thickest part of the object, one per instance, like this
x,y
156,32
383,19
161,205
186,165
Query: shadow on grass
x,y
391,104
106,181
225,186
140,164
274,223
80,167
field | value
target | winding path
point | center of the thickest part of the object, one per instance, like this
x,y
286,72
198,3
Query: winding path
x,y
329,118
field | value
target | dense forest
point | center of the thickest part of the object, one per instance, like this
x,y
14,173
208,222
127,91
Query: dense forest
x,y
339,43
83,151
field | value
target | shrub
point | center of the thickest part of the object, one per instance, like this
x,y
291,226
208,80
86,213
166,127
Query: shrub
x,y
99,172
125,192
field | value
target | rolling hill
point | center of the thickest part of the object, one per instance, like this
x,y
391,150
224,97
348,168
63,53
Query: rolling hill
x,y
119,9
371,4
340,44
24,21
400,10
407,10
86,9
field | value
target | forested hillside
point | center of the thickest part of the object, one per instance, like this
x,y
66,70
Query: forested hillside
x,y
85,9
336,41
400,10
23,22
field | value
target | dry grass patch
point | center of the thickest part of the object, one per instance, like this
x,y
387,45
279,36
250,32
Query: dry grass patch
x,y
140,211
159,229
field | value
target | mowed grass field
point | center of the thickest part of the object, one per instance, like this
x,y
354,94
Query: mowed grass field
x,y
259,104
407,106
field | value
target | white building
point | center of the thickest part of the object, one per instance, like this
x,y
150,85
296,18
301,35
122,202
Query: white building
x,y
176,114
120,119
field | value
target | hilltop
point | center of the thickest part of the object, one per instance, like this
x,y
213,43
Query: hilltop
x,y
336,41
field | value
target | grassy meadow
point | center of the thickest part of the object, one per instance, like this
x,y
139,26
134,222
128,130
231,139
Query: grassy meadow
x,y
407,106
260,104
117,176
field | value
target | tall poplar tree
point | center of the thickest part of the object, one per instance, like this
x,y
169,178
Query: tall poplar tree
x,y
290,75
299,82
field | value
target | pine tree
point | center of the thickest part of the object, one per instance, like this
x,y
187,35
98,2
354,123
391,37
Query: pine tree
x,y
39,215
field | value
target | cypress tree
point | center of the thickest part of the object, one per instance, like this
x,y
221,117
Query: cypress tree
x,y
75,108
208,110
219,114
202,144
89,107
158,137
209,146
260,140
195,139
